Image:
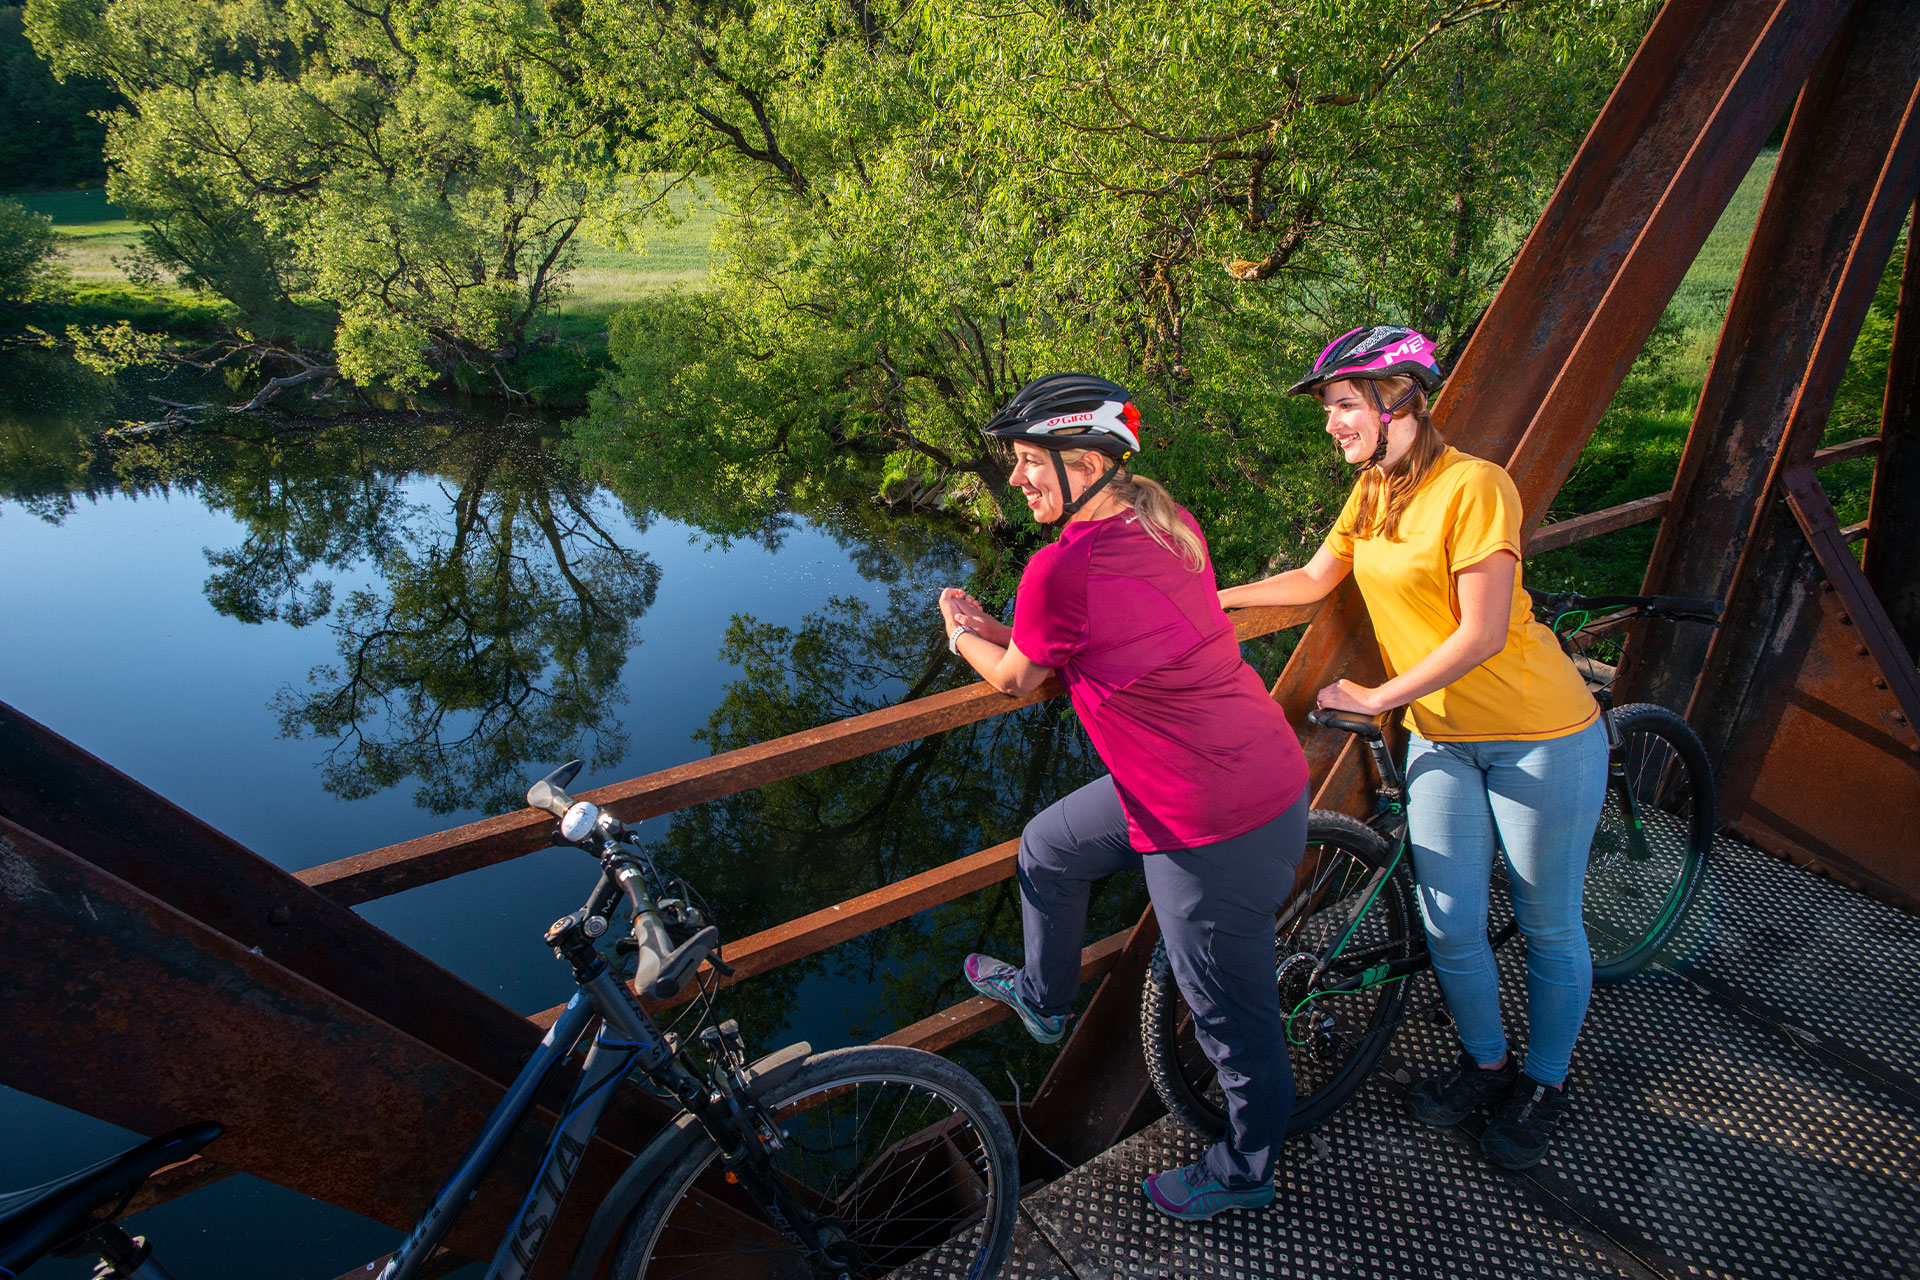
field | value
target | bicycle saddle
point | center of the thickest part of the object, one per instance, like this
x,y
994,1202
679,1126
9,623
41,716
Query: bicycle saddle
x,y
45,1219
1366,726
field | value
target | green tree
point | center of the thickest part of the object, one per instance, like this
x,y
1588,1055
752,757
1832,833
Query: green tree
x,y
366,177
29,252
933,203
50,133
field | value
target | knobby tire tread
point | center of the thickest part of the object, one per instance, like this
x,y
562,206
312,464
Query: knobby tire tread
x,y
1182,1082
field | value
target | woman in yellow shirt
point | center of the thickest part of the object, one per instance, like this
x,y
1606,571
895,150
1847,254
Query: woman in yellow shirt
x,y
1506,749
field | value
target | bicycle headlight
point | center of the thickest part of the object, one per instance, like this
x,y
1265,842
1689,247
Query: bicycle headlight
x,y
578,822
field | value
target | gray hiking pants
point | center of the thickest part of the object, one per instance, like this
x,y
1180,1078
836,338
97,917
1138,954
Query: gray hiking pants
x,y
1216,906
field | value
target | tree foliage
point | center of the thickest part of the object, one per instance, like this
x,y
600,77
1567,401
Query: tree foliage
x,y
50,135
368,175
933,203
29,251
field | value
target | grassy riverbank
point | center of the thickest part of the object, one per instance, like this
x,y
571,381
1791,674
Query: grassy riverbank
x,y
98,243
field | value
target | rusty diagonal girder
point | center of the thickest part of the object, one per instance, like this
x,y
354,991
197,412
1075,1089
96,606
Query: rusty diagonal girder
x,y
1817,250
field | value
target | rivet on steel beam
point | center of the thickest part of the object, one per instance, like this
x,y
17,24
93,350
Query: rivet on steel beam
x,y
1826,586
1863,651
280,916
1845,621
1879,683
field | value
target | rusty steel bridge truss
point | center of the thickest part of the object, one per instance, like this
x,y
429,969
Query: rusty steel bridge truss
x,y
157,972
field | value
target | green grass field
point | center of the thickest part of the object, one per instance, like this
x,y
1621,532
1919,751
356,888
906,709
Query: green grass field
x,y
96,234
93,232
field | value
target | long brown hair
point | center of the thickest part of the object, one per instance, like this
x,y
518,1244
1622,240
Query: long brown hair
x,y
1370,514
1155,509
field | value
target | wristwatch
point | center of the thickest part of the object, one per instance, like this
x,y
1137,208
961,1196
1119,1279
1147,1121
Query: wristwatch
x,y
953,638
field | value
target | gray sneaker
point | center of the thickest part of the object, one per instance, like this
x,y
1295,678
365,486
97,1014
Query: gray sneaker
x,y
1453,1095
994,980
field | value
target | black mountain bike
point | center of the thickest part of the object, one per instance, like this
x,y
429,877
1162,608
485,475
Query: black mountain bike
x,y
1349,936
850,1165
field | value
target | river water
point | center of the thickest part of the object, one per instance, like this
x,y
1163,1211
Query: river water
x,y
336,636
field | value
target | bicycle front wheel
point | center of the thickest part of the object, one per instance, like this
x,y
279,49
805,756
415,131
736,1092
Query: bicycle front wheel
x,y
1333,1038
1654,833
903,1157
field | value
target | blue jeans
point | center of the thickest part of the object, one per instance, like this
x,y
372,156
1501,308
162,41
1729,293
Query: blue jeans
x,y
1540,800
1216,906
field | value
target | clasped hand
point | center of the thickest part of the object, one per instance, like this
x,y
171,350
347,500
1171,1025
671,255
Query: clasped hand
x,y
957,608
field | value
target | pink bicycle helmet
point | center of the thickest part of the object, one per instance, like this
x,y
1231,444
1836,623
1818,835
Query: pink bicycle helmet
x,y
1372,352
1368,354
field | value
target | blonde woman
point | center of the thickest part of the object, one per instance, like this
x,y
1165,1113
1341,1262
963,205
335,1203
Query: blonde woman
x,y
1207,793
1506,749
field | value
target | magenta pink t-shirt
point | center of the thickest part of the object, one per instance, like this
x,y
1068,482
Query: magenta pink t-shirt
x,y
1199,752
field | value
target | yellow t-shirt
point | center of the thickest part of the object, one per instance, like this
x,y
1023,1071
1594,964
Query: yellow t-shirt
x,y
1466,510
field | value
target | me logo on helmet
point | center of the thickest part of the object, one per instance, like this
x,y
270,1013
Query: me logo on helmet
x,y
1411,347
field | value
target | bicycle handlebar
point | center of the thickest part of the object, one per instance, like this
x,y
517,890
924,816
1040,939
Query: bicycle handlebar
x,y
1675,608
662,967
1366,726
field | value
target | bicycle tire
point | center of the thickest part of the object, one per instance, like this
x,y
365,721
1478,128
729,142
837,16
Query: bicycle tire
x,y
933,1191
1638,883
1333,1042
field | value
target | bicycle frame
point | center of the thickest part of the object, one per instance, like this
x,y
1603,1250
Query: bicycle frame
x,y
625,1034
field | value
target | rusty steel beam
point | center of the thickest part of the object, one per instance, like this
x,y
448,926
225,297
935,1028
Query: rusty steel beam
x,y
50,786
1822,237
1099,1082
1742,651
382,872
1821,527
123,1007
1709,82
1564,533
1892,554
1822,760
970,1017
1706,170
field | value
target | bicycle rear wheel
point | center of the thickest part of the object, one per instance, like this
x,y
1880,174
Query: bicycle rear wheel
x,y
904,1155
1639,875
1333,1040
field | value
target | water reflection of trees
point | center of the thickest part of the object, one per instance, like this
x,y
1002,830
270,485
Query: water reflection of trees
x,y
486,607
495,640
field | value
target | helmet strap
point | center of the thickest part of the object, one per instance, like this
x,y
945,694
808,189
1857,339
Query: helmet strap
x,y
1070,506
1386,413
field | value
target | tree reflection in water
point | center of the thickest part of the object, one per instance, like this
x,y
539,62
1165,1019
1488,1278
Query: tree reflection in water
x,y
792,847
495,642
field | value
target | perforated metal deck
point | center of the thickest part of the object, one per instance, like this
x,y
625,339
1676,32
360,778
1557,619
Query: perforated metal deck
x,y
1750,1108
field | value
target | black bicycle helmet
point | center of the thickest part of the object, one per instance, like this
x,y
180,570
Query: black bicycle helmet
x,y
1368,354
1072,411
